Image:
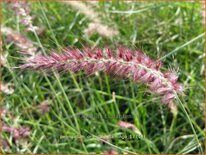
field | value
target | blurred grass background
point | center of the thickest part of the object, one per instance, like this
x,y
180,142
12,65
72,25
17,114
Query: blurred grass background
x,y
83,109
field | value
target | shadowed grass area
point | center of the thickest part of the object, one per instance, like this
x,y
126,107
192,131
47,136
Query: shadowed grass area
x,y
85,109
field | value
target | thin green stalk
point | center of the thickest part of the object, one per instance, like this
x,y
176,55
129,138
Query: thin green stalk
x,y
190,122
171,130
78,87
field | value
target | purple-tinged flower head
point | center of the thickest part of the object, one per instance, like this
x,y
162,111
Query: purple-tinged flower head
x,y
122,63
25,45
22,9
127,125
16,133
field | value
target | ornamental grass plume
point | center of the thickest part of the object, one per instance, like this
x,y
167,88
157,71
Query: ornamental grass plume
x,y
128,125
25,45
103,30
84,9
22,9
125,63
96,25
17,133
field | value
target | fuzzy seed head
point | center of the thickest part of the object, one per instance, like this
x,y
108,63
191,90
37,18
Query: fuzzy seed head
x,y
125,63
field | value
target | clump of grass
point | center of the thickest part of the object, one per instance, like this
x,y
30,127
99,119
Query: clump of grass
x,y
171,31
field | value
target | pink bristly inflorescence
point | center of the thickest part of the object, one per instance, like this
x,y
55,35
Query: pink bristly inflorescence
x,y
17,133
122,63
22,10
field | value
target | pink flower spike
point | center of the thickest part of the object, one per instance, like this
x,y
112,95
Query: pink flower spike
x,y
129,126
124,63
16,133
